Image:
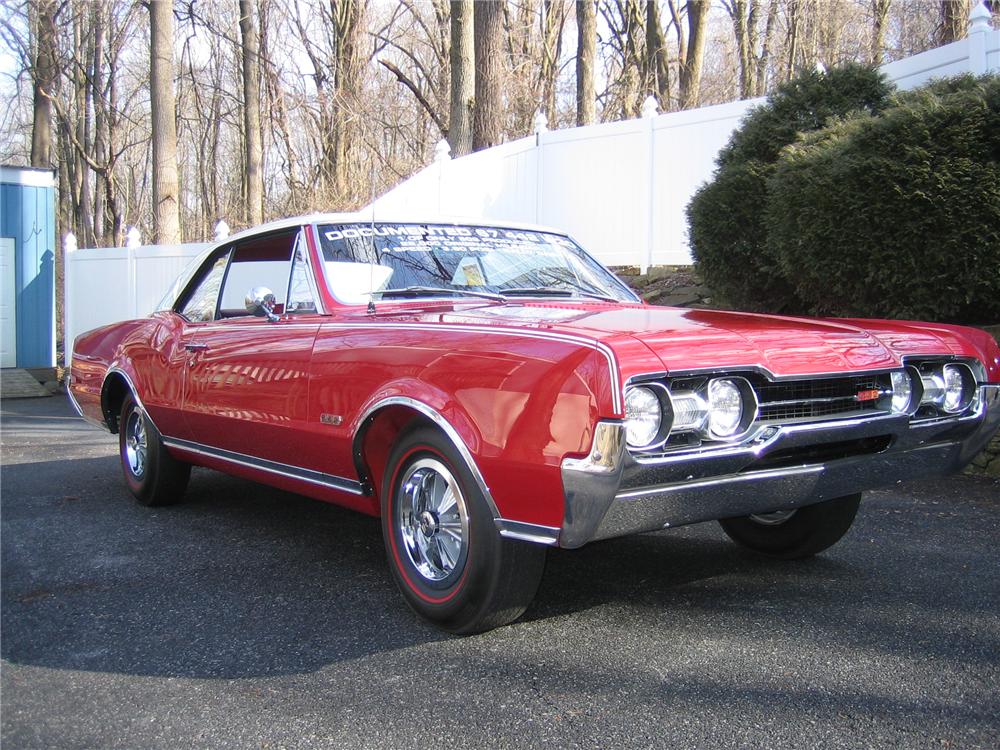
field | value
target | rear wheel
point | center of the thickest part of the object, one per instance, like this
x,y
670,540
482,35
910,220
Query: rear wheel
x,y
794,534
151,473
445,553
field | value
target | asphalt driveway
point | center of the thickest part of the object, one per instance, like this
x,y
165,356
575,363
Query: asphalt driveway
x,y
248,617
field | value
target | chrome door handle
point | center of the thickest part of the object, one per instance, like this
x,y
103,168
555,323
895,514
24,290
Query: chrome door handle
x,y
194,347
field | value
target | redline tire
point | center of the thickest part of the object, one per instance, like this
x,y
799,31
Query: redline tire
x,y
152,475
447,558
807,532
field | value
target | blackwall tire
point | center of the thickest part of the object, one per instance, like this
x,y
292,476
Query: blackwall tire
x,y
444,551
804,533
152,475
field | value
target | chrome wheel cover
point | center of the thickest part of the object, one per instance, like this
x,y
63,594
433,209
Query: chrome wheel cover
x,y
774,518
136,449
433,520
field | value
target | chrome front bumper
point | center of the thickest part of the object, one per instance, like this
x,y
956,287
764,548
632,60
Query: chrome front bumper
x,y
611,493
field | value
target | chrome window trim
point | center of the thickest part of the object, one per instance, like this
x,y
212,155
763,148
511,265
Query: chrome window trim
x,y
310,273
371,220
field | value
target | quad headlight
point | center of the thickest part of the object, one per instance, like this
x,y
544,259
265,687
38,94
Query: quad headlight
x,y
954,391
643,416
725,408
902,392
717,409
945,389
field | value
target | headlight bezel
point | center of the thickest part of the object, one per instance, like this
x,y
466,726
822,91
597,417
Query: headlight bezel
x,y
748,397
662,396
967,385
913,392
929,375
689,411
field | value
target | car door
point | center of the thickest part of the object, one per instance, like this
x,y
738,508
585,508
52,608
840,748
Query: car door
x,y
247,386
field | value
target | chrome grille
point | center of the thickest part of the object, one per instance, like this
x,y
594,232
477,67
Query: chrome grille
x,y
821,397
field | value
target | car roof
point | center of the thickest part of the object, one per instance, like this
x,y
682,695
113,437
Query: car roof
x,y
368,217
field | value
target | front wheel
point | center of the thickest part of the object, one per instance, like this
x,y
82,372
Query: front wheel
x,y
794,534
151,473
445,553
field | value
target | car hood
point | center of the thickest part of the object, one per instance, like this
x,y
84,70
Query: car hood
x,y
686,339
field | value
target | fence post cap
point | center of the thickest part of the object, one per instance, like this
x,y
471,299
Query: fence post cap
x,y
540,123
649,107
979,19
69,242
132,237
221,230
442,151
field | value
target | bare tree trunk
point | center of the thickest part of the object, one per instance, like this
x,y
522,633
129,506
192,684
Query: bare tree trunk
x,y
954,20
44,79
738,12
586,52
100,120
166,191
760,77
487,120
634,78
81,95
65,195
348,15
251,115
552,17
657,64
880,14
793,38
690,77
463,77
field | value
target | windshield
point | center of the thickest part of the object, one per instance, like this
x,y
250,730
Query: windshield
x,y
371,261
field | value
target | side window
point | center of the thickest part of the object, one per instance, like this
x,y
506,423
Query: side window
x,y
200,304
260,261
301,297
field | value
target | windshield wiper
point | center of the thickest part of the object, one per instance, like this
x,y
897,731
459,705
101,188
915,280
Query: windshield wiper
x,y
545,291
434,291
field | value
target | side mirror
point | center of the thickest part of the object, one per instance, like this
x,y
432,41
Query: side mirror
x,y
260,301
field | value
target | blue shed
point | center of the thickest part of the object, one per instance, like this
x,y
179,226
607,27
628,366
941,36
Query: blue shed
x,y
27,269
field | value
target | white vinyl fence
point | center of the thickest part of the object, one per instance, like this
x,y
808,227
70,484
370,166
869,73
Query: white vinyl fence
x,y
621,188
106,285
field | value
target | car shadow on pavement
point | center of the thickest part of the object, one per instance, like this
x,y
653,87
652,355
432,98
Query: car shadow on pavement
x,y
242,580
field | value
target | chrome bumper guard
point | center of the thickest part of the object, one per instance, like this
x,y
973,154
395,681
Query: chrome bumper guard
x,y
611,493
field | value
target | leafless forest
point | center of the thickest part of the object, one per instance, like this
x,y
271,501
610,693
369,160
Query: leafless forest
x,y
169,115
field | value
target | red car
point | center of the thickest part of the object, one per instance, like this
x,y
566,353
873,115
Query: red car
x,y
488,390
